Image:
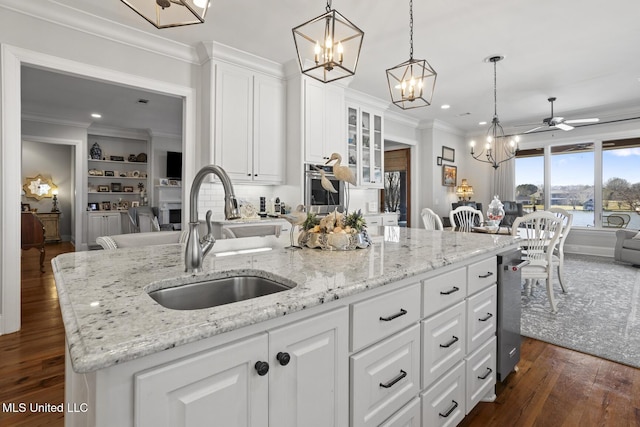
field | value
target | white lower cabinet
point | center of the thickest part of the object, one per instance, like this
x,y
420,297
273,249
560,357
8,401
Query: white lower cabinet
x,y
443,404
384,377
481,374
482,316
408,416
295,375
102,224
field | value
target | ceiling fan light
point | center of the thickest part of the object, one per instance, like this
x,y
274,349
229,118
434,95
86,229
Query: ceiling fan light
x,y
178,13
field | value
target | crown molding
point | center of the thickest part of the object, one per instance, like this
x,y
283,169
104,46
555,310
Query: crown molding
x,y
78,20
440,125
211,50
54,121
119,133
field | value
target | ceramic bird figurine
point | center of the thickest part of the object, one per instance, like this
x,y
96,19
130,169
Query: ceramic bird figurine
x,y
325,182
296,217
343,173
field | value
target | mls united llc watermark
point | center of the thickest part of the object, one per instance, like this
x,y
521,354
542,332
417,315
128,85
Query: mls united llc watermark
x,y
22,407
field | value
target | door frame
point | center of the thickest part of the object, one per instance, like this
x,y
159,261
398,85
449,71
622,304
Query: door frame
x,y
12,58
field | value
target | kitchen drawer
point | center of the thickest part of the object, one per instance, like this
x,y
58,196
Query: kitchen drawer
x,y
443,342
482,317
444,403
385,377
481,274
443,291
481,373
409,416
381,316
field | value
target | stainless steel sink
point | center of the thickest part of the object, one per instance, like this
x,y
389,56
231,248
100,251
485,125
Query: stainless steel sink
x,y
211,293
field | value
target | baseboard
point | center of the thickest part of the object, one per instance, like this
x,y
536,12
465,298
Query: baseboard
x,y
588,250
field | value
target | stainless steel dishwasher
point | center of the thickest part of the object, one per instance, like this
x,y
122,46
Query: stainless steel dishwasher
x,y
509,311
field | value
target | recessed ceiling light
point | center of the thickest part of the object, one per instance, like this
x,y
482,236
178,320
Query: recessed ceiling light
x,y
445,106
482,123
96,115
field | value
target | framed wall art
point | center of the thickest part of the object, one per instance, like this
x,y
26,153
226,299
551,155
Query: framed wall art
x,y
448,154
449,175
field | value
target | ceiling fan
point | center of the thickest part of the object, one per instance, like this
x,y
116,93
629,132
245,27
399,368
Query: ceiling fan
x,y
560,122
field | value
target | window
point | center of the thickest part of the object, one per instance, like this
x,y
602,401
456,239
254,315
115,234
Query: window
x,y
621,183
530,179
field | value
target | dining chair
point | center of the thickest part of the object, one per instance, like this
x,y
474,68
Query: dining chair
x,y
540,232
430,220
558,253
464,218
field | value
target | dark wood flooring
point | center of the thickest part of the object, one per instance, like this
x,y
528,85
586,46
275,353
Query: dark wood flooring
x,y
553,386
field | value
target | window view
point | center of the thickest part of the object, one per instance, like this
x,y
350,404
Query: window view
x,y
621,183
530,179
572,181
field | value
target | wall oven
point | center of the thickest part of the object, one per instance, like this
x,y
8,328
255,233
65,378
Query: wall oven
x,y
316,198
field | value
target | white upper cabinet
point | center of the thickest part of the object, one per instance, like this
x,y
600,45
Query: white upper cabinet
x,y
323,121
365,141
249,125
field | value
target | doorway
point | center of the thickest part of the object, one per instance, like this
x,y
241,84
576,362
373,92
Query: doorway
x,y
396,195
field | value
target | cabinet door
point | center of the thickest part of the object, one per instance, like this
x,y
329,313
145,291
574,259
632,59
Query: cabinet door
x,y
314,150
269,152
335,140
112,224
219,387
234,121
312,388
353,137
94,227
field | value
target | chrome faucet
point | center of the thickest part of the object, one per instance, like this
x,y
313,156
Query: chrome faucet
x,y
198,248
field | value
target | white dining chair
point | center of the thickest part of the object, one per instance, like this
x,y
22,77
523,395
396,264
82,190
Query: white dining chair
x,y
430,220
558,253
540,232
464,218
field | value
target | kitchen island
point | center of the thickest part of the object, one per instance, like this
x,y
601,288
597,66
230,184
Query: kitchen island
x,y
135,362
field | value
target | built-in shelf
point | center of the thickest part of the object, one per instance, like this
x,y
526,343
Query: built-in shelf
x,y
121,162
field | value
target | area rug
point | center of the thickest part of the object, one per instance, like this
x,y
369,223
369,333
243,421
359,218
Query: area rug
x,y
600,314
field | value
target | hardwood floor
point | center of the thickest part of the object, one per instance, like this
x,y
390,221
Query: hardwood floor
x,y
553,386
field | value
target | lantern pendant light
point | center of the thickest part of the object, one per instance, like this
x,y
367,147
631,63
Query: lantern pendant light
x,y
170,13
328,46
411,83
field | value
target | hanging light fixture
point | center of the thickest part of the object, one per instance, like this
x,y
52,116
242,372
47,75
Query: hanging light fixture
x,y
411,83
464,190
497,149
328,46
170,13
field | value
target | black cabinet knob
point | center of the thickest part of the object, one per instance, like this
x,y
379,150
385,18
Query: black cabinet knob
x,y
283,358
262,368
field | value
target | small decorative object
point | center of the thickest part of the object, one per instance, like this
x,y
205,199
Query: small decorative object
x,y
143,174
449,175
135,204
96,152
127,189
54,203
174,182
116,187
26,207
95,172
135,174
132,158
142,158
297,217
163,181
122,174
116,158
109,173
335,232
124,205
103,189
114,206
92,207
106,206
495,213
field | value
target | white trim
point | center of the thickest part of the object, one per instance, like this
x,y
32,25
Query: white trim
x,y
11,59
588,250
50,120
400,140
211,50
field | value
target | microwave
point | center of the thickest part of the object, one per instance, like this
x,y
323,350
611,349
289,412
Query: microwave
x,y
316,198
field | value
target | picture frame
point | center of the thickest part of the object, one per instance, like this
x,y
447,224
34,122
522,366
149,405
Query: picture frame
x,y
103,189
439,161
26,207
92,206
124,205
135,204
116,158
116,187
174,183
449,175
96,172
109,173
105,206
448,154
164,181
127,189
114,206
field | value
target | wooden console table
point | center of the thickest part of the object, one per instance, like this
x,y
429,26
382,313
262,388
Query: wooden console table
x,y
32,233
51,223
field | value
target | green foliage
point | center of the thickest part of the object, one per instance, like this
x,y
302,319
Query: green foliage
x,y
355,220
311,221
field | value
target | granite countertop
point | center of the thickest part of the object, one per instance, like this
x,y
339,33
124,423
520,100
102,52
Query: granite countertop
x,y
110,319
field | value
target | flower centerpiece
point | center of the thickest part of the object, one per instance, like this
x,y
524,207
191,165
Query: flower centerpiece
x,y
336,231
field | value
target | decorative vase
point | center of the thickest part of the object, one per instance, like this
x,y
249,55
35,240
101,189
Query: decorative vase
x,y
96,152
495,213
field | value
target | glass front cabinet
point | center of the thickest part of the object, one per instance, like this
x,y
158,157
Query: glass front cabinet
x,y
365,146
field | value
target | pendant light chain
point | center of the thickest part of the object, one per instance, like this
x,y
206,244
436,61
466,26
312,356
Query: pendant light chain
x,y
495,91
411,29
329,5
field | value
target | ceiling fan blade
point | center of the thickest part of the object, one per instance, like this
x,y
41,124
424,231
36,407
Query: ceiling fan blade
x,y
576,121
534,129
563,126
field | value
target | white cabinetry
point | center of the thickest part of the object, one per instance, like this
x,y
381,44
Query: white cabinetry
x,y
295,375
323,122
102,224
249,125
366,146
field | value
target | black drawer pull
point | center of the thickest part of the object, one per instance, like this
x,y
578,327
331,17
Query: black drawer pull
x,y
395,316
453,408
484,276
455,289
484,377
487,317
450,343
395,380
